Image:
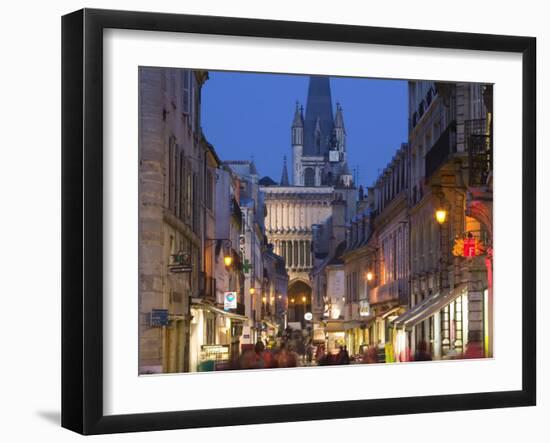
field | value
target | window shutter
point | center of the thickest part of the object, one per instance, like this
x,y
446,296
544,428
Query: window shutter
x,y
186,85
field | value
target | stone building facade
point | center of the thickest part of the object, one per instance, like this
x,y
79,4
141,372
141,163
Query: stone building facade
x,y
377,258
450,311
319,176
171,224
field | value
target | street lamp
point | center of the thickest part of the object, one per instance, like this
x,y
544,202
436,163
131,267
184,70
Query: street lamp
x,y
370,276
227,258
441,216
252,290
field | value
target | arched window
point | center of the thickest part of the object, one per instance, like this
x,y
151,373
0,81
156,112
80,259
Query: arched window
x,y
309,177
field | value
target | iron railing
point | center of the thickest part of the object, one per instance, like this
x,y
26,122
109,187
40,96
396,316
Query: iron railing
x,y
441,150
479,144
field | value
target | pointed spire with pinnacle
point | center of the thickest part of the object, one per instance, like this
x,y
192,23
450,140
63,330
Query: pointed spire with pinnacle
x,y
284,176
298,121
339,119
318,114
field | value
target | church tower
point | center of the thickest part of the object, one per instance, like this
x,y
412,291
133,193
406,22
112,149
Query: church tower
x,y
319,121
319,140
297,145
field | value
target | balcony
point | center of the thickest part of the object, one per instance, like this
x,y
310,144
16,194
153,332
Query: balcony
x,y
394,291
479,145
207,286
441,150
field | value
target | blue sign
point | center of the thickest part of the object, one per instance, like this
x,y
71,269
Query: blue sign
x,y
159,317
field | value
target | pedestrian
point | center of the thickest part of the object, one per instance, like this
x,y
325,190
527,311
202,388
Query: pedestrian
x,y
422,353
320,354
474,350
343,356
259,350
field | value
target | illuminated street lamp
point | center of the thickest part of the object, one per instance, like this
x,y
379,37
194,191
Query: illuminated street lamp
x,y
304,298
252,291
370,276
227,260
441,216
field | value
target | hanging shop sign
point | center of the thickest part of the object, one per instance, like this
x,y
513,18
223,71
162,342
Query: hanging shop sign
x,y
364,308
230,300
181,262
468,247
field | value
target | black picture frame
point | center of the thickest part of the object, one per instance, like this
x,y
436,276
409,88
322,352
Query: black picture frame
x,y
82,215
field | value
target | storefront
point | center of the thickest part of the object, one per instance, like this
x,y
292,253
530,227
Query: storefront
x,y
214,333
357,335
335,335
440,322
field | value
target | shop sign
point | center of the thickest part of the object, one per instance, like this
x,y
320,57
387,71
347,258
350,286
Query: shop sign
x,y
468,247
229,300
159,317
364,308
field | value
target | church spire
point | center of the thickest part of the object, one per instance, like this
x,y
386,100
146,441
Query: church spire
x,y
284,176
339,129
339,119
318,111
298,121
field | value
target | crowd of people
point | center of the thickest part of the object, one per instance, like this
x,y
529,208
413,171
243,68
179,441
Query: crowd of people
x,y
289,353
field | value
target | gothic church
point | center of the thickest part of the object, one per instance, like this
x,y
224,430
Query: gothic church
x,y
320,177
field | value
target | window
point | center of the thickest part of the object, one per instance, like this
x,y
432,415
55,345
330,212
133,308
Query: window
x,y
172,155
173,86
162,80
189,192
186,87
309,177
183,186
209,190
196,198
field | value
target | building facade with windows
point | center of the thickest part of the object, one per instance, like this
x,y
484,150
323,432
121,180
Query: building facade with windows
x,y
377,259
297,207
171,224
450,154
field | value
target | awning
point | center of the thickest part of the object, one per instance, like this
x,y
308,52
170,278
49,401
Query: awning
x,y
335,326
219,311
363,322
427,308
390,312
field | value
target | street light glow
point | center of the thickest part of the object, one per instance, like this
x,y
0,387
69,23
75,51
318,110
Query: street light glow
x,y
441,216
228,260
252,291
369,276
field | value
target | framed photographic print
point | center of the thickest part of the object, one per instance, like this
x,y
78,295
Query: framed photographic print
x,y
270,221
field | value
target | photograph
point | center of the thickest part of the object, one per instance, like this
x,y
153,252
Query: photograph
x,y
296,221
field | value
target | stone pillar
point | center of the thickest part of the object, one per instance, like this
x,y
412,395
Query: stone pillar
x,y
289,252
475,316
287,216
437,336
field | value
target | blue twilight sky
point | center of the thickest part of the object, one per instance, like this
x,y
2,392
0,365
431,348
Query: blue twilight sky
x,y
246,114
